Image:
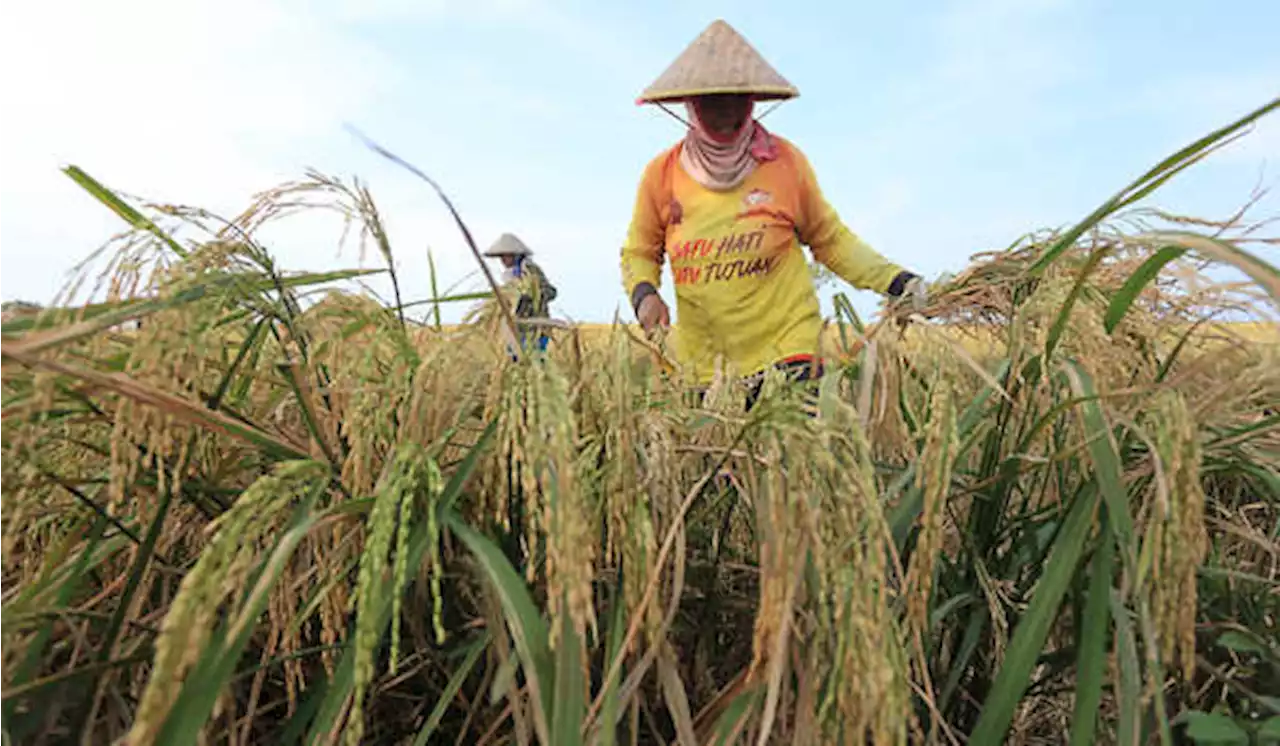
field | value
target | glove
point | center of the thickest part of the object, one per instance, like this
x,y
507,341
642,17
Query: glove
x,y
917,293
653,312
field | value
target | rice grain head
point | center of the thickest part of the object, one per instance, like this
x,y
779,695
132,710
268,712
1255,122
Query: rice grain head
x,y
933,478
410,474
239,535
1180,539
868,694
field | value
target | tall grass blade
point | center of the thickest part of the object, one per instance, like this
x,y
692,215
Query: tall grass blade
x,y
73,324
607,725
466,233
568,707
1129,691
438,301
435,290
204,684
1033,628
1142,186
729,725
677,699
120,207
1104,454
1091,660
1143,276
1266,275
338,690
451,690
170,404
107,315
20,727
528,628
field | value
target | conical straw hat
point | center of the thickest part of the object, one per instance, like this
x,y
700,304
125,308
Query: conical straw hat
x,y
719,61
508,245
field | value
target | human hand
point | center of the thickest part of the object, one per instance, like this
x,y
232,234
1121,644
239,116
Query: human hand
x,y
653,312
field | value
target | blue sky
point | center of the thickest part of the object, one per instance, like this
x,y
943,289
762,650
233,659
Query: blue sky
x,y
938,129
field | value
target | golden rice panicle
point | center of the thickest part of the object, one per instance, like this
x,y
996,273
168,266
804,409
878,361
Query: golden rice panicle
x,y
886,360
619,458
410,474
782,507
660,495
27,442
868,693
638,468
223,567
780,547
177,351
370,370
444,390
513,474
1177,529
1084,335
933,478
434,493
332,550
491,500
533,472
282,608
570,518
362,409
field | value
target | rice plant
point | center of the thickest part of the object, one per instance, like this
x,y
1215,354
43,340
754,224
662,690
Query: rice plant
x,y
243,505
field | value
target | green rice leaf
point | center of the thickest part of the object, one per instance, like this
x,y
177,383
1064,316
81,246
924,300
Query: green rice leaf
x,y
451,690
1129,692
1140,279
1033,628
1212,729
528,628
1149,181
1091,663
117,205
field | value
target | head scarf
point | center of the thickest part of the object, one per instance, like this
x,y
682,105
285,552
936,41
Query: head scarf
x,y
723,164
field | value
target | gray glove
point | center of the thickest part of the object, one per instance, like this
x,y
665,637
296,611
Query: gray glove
x,y
916,291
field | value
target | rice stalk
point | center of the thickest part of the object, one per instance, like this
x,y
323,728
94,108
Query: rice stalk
x,y
237,538
934,480
1176,531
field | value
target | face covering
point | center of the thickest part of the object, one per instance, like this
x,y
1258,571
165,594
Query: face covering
x,y
513,272
721,163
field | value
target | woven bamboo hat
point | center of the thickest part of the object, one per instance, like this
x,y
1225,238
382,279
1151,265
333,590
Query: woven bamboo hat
x,y
719,61
508,245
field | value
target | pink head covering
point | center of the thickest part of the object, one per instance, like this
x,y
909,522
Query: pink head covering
x,y
722,163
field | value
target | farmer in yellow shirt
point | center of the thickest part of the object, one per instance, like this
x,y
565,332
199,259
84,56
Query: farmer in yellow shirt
x,y
729,206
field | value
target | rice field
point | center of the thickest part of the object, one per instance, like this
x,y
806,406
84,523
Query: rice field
x,y
241,507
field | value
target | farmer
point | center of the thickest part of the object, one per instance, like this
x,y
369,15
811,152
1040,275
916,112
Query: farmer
x,y
530,282
729,206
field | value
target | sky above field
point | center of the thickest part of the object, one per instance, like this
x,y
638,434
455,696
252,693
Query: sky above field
x,y
938,129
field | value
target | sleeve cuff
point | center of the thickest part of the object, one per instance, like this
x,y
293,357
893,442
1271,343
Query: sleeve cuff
x,y
899,284
641,291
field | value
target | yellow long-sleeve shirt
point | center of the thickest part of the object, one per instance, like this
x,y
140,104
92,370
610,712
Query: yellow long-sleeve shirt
x,y
743,287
